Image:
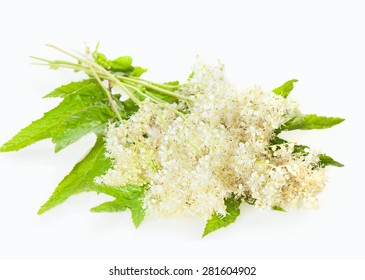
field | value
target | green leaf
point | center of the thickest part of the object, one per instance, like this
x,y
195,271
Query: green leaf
x,y
311,121
325,160
121,64
250,200
94,119
36,131
101,60
138,71
285,89
110,206
300,149
129,108
81,178
277,141
72,87
218,221
127,197
81,112
173,83
278,208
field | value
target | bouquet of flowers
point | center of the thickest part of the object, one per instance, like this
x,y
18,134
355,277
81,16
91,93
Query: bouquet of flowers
x,y
200,148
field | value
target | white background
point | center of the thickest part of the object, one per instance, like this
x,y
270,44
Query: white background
x,y
260,42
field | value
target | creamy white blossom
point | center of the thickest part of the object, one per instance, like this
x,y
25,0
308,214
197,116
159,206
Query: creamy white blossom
x,y
192,162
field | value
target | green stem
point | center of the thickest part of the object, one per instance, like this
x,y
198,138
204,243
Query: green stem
x,y
156,100
65,52
53,64
195,148
112,78
154,83
67,65
91,68
90,62
159,89
108,93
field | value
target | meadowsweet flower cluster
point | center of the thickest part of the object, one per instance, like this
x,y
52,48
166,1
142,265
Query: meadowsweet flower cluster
x,y
197,149
222,146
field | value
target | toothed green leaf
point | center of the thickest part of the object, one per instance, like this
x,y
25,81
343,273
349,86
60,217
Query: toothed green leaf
x,y
110,206
94,119
311,121
72,87
127,197
81,178
218,221
325,160
80,113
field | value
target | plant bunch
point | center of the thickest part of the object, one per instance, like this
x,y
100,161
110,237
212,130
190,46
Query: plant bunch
x,y
195,149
